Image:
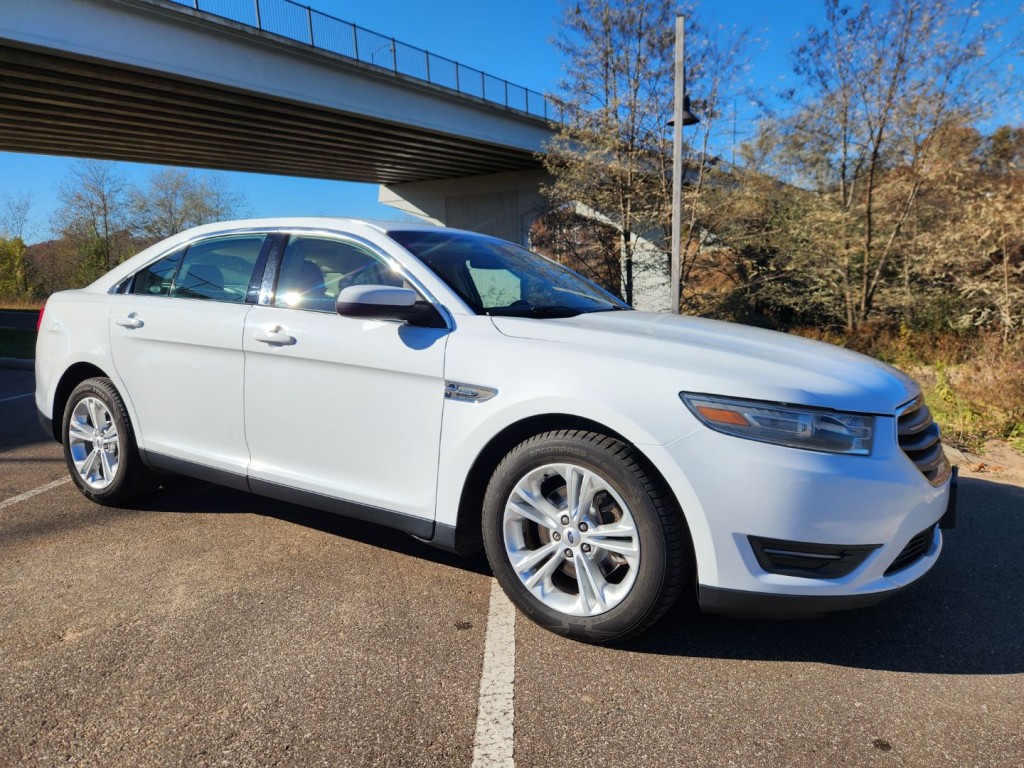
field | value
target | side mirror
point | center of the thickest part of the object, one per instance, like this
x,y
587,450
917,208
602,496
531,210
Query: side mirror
x,y
384,302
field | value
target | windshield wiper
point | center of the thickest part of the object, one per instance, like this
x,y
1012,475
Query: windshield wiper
x,y
537,312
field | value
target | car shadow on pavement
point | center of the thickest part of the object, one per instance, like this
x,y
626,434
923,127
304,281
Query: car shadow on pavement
x,y
28,435
964,617
188,496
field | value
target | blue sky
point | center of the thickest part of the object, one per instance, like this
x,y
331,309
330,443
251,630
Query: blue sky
x,y
507,39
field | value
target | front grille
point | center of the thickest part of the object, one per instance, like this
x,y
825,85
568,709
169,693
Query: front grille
x,y
918,436
914,551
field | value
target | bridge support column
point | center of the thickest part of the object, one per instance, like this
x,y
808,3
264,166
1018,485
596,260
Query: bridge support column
x,y
504,205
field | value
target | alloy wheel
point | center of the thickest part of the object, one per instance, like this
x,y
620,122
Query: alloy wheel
x,y
571,539
94,443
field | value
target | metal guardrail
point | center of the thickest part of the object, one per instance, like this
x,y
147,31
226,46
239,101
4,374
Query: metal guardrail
x,y
329,33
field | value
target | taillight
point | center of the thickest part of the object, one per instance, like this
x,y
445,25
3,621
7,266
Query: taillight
x,y
39,322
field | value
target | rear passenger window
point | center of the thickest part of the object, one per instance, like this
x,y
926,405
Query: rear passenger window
x,y
218,269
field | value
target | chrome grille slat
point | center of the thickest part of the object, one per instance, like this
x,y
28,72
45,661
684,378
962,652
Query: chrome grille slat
x,y
930,460
922,441
919,439
913,421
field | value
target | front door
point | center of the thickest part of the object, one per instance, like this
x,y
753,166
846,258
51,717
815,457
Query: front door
x,y
340,407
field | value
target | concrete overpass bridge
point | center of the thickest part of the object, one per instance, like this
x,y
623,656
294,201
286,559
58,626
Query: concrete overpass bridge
x,y
270,86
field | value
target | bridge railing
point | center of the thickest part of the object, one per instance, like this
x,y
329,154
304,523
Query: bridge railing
x,y
329,33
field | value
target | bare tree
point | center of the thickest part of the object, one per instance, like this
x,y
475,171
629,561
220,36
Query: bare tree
x,y
583,243
94,215
612,150
607,151
976,235
14,211
219,199
16,275
102,218
174,200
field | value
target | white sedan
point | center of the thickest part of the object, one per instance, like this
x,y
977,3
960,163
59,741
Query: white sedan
x,y
471,393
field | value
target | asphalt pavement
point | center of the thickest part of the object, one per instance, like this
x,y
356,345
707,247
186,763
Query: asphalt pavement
x,y
208,627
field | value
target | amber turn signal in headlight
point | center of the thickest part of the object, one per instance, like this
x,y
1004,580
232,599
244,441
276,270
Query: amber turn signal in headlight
x,y
812,429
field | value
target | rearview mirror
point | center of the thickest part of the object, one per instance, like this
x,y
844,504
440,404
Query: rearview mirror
x,y
385,302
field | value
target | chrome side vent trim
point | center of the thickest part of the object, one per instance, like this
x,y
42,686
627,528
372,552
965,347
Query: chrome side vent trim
x,y
467,393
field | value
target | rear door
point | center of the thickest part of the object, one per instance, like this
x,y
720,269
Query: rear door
x,y
176,341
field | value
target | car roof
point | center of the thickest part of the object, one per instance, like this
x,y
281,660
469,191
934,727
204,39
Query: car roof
x,y
322,222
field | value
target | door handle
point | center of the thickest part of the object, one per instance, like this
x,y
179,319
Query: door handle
x,y
273,336
129,322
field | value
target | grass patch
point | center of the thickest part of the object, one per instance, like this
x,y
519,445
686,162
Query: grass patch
x,y
16,342
979,397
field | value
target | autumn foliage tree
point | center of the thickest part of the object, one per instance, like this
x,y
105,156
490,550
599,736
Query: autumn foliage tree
x,y
17,277
884,86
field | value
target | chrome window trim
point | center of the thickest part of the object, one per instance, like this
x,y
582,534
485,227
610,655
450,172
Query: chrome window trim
x,y
331,234
184,244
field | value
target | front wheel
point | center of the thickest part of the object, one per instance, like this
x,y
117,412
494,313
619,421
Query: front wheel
x,y
99,445
583,539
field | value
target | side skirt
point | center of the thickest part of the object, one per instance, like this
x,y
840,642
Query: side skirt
x,y
419,527
193,469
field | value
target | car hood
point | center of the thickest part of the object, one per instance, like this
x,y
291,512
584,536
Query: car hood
x,y
713,357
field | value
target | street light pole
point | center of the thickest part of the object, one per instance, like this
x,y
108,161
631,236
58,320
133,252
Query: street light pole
x,y
681,116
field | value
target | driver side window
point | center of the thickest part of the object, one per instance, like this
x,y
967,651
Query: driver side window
x,y
314,270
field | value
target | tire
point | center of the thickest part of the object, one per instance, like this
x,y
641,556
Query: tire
x,y
630,550
106,467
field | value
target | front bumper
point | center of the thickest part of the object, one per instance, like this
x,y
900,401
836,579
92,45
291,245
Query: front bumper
x,y
731,490
733,602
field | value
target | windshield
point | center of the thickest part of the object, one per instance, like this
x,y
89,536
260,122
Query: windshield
x,y
495,277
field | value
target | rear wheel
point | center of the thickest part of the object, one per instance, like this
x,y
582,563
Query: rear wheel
x,y
99,445
583,538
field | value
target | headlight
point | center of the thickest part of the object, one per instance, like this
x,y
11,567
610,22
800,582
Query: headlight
x,y
809,428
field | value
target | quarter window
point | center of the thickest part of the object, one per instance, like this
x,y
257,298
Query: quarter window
x,y
157,278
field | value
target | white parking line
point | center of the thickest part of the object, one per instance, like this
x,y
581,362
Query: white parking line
x,y
34,492
16,397
495,718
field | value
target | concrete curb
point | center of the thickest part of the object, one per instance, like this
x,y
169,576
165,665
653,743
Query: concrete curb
x,y
19,363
